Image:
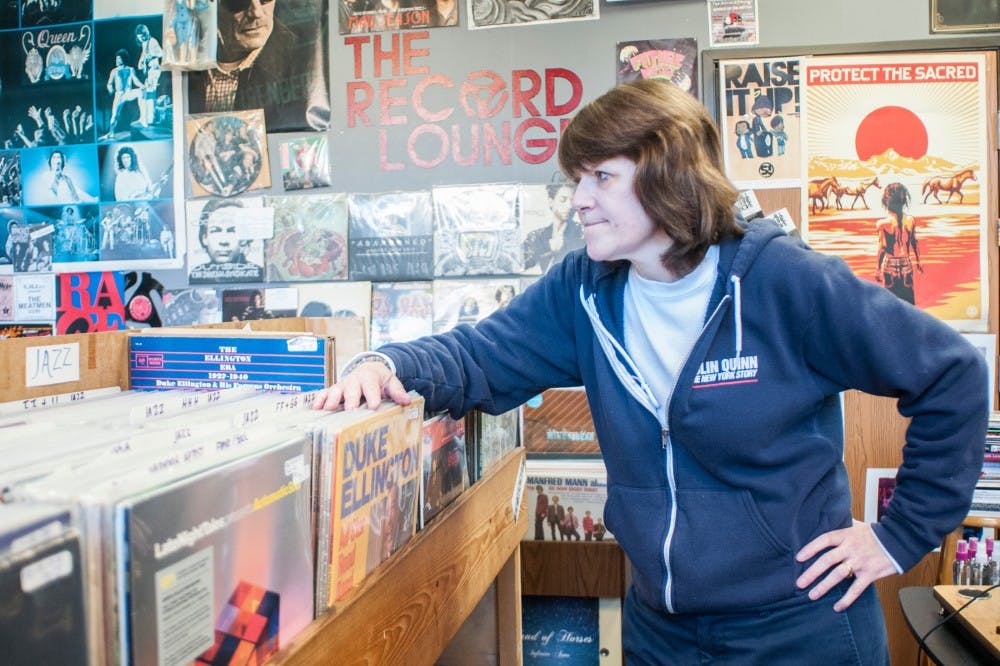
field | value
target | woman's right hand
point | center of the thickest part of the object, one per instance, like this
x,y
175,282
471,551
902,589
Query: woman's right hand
x,y
371,381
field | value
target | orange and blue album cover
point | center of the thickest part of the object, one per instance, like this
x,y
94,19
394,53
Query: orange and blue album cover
x,y
217,568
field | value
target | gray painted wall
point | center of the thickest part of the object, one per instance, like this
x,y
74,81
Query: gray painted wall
x,y
586,48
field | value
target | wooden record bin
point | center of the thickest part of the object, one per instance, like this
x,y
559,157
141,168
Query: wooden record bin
x,y
411,606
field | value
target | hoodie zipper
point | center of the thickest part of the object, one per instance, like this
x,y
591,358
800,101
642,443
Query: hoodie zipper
x,y
668,450
631,379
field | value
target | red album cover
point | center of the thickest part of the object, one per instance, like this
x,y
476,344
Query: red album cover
x,y
90,302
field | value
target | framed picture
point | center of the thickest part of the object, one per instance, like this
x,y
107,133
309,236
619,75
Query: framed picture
x,y
880,483
965,16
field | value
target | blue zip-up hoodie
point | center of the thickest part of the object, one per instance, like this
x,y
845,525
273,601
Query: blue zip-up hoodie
x,y
712,505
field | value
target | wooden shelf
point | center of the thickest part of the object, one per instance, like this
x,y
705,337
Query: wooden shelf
x,y
573,568
409,608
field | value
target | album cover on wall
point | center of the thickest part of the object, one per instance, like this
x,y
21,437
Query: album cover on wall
x,y
401,311
476,230
184,307
336,299
377,16
391,236
227,153
310,238
143,300
225,239
34,297
467,301
305,162
501,13
90,302
550,227
672,59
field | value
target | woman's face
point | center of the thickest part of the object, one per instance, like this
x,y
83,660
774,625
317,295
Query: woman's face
x,y
615,225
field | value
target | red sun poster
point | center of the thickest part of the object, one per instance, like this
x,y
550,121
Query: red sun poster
x,y
895,159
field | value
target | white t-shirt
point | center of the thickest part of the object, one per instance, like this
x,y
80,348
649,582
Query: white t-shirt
x,y
663,321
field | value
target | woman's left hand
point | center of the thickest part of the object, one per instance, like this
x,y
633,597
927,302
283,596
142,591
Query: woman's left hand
x,y
853,552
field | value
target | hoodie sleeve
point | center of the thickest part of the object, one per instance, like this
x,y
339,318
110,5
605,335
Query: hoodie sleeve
x,y
504,359
862,336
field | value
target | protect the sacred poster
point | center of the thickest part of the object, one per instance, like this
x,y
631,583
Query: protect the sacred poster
x,y
895,159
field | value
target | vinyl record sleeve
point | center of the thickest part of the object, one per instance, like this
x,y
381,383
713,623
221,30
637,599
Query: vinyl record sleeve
x,y
401,311
580,484
559,421
41,590
582,631
391,236
226,554
310,238
444,467
227,153
467,301
477,230
369,490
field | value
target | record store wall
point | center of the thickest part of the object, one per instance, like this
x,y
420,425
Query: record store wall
x,y
408,108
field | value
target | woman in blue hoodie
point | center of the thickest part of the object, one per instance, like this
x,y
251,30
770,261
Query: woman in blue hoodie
x,y
714,353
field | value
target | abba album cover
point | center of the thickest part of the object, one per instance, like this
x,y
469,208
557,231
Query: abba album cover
x,y
220,562
310,238
391,236
476,230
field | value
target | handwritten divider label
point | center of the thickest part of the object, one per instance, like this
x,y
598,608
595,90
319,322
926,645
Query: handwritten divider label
x,y
52,364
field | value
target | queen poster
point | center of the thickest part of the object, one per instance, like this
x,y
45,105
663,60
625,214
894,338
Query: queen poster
x,y
896,168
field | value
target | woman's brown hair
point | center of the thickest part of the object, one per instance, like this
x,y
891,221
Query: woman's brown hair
x,y
680,176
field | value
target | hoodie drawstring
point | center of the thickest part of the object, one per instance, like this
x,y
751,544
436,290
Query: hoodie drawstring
x,y
738,313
